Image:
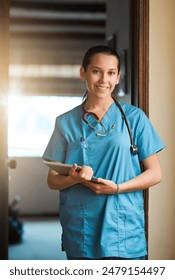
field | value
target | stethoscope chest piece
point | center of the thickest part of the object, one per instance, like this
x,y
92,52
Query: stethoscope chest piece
x,y
134,149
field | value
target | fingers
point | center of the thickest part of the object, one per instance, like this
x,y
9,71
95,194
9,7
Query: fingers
x,y
72,171
103,186
85,173
100,181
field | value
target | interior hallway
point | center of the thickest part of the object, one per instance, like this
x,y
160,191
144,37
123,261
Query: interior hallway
x,y
41,240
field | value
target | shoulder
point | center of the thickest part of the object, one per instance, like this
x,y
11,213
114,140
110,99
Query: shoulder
x,y
132,111
72,114
135,116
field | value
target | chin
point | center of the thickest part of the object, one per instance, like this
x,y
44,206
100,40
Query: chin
x,y
103,95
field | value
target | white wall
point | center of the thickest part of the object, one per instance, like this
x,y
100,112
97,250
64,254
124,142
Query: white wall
x,y
29,180
162,115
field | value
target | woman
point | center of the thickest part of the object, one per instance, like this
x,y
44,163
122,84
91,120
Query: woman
x,y
103,219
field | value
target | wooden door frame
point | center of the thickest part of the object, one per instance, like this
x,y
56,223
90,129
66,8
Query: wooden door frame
x,y
140,68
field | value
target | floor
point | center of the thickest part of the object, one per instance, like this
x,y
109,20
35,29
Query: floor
x,y
41,240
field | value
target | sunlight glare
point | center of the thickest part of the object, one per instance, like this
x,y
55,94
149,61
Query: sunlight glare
x,y
31,121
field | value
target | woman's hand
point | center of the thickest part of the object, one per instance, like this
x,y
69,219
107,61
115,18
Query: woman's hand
x,y
102,186
149,177
83,174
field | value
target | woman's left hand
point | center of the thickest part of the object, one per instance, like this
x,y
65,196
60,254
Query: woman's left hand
x,y
102,186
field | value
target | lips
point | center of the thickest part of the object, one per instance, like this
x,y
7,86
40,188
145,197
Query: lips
x,y
102,87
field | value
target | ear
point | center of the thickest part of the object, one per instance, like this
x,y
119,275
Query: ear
x,y
82,74
118,79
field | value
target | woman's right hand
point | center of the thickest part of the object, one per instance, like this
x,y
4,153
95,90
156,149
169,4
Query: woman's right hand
x,y
83,174
76,176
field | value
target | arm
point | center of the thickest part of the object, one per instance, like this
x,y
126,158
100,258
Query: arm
x,y
59,182
151,176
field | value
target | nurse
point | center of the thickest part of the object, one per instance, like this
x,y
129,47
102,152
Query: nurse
x,y
103,219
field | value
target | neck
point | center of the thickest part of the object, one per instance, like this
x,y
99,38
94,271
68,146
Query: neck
x,y
92,103
98,107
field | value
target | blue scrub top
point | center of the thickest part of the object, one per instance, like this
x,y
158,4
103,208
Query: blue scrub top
x,y
96,226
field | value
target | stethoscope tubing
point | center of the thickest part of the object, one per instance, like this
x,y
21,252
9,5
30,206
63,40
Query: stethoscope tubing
x,y
134,148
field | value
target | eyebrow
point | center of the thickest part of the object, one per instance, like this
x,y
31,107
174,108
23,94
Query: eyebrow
x,y
111,69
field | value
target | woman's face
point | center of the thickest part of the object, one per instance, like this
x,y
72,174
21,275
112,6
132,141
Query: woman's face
x,y
101,75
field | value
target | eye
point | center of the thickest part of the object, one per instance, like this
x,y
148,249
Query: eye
x,y
95,71
111,73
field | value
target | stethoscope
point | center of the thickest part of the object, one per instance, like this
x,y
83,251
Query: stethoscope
x,y
133,148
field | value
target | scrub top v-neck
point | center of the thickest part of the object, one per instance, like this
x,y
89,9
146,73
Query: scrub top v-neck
x,y
96,226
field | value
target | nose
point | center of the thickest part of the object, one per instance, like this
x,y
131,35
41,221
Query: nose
x,y
103,77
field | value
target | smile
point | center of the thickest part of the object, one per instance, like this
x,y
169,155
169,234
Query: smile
x,y
102,87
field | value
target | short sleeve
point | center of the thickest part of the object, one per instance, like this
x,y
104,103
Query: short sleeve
x,y
56,148
148,140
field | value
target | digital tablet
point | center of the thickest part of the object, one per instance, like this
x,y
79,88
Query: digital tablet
x,y
63,168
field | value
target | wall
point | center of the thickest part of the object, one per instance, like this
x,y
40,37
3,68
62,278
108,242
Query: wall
x,y
29,181
162,114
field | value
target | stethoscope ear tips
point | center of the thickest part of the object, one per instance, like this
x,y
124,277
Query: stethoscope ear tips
x,y
134,149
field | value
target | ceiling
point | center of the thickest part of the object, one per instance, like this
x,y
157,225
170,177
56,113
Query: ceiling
x,y
47,42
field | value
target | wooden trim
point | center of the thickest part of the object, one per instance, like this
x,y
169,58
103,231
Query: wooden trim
x,y
143,78
143,53
140,68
